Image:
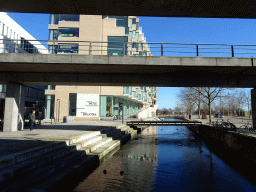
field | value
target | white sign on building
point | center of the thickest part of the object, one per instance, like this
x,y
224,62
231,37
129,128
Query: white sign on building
x,y
87,105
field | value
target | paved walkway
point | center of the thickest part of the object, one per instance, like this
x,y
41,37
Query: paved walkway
x,y
15,142
238,121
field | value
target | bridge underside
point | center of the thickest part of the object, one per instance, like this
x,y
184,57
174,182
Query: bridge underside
x,y
127,71
170,8
177,79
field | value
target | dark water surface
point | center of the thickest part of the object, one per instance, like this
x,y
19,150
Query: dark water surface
x,y
165,158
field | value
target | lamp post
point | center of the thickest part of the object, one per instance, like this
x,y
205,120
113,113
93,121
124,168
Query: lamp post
x,y
58,110
121,109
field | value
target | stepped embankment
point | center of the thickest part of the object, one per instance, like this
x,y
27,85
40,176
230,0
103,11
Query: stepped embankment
x,y
37,160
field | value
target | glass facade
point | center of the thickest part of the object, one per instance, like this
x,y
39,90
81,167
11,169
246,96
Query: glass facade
x,y
66,48
115,45
127,90
110,106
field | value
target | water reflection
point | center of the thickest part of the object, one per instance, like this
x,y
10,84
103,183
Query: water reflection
x,y
165,159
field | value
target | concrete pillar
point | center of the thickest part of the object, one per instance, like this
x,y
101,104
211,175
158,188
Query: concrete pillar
x,y
253,101
21,107
14,107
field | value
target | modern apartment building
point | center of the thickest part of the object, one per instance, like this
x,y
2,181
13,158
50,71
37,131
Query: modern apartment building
x,y
15,39
98,35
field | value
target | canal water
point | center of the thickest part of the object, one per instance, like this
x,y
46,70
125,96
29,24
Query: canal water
x,y
166,158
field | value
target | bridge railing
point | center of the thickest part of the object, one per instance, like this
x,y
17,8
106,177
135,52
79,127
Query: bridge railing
x,y
126,48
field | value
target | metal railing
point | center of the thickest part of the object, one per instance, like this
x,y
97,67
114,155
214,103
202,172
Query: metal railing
x,y
228,126
129,48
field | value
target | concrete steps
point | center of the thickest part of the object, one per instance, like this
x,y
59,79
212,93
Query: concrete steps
x,y
57,159
69,171
105,149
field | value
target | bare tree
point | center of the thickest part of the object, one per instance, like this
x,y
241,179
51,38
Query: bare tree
x,y
209,94
240,99
197,97
187,99
248,101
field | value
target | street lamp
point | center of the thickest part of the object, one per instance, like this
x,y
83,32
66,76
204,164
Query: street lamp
x,y
58,110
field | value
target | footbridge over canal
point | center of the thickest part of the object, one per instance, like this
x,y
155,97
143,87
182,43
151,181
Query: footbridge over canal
x,y
163,123
173,65
201,69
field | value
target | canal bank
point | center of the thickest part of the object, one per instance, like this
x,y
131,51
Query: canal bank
x,y
165,158
238,144
37,160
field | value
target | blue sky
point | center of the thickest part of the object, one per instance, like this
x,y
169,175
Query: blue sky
x,y
166,29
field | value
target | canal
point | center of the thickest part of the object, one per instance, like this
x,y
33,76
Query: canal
x,y
166,158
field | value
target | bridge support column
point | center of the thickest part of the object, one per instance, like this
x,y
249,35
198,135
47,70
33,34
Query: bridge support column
x,y
14,108
253,101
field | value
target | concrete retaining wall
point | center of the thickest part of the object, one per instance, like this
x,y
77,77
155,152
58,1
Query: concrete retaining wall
x,y
147,113
235,143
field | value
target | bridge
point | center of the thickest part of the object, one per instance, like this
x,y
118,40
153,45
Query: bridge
x,y
163,123
202,69
176,65
171,8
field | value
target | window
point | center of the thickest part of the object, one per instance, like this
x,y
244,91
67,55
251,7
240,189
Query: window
x,y
144,53
130,23
72,104
53,34
68,32
67,17
3,88
55,18
137,26
134,21
115,45
134,95
130,36
67,48
135,45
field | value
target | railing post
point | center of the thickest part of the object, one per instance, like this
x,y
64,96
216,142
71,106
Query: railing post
x,y
162,49
53,47
197,50
232,50
90,48
16,47
127,47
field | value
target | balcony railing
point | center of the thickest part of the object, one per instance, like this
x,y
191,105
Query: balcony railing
x,y
138,48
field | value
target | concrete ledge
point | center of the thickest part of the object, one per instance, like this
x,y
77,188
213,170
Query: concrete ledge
x,y
86,118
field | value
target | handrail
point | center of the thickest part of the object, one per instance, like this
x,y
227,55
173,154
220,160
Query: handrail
x,y
131,48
